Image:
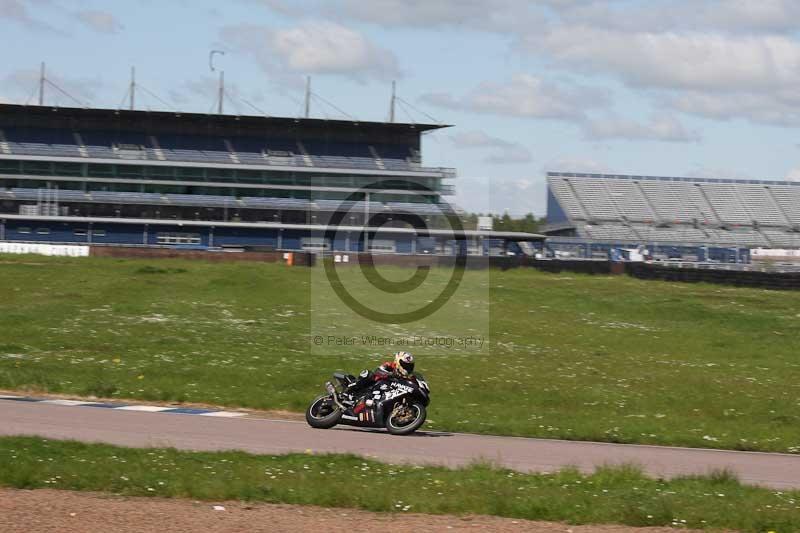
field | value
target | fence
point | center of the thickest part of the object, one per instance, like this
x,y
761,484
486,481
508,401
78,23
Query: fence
x,y
738,278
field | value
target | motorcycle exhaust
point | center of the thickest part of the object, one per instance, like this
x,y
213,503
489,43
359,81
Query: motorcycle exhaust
x,y
332,391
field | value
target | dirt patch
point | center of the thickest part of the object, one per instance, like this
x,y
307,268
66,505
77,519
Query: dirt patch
x,y
35,511
277,414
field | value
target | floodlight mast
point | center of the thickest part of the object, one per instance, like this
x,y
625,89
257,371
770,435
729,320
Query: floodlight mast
x,y
221,78
41,85
392,102
133,88
308,96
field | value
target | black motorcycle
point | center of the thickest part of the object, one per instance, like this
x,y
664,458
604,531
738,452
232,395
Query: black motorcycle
x,y
398,404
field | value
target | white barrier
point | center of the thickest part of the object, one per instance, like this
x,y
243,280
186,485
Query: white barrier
x,y
774,252
62,250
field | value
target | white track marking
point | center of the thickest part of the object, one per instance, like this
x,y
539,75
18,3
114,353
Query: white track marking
x,y
223,414
148,408
66,402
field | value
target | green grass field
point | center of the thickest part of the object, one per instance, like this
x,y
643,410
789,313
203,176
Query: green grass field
x,y
611,495
577,357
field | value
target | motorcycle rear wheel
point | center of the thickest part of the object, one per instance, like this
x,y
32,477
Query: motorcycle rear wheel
x,y
320,418
396,428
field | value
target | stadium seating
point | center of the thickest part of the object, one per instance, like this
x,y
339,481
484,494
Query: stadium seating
x,y
208,149
726,212
202,200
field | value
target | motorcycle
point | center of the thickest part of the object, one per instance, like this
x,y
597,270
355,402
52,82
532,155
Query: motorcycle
x,y
397,404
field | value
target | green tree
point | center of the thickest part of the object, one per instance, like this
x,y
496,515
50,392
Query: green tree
x,y
526,224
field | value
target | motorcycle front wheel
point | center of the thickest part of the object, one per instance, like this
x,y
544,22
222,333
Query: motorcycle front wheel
x,y
407,419
322,414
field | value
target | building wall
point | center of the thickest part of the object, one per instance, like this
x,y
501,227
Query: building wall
x,y
14,230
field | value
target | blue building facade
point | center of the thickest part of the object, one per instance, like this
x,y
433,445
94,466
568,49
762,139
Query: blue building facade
x,y
101,176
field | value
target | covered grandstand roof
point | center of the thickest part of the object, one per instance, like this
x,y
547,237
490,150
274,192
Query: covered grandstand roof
x,y
198,123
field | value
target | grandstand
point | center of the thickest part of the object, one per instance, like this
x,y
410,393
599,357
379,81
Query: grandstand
x,y
104,176
672,211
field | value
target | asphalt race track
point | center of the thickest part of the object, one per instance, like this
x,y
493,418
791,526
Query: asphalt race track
x,y
257,435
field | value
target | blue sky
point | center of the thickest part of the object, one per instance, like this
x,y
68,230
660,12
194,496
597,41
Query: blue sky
x,y
686,87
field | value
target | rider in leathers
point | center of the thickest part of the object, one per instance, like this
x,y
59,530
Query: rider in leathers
x,y
402,366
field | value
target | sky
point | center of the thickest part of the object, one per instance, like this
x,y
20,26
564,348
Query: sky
x,y
705,88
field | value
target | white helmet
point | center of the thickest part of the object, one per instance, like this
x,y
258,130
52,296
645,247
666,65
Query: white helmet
x,y
404,363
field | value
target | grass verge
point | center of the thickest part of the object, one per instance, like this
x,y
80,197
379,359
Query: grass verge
x,y
611,495
576,357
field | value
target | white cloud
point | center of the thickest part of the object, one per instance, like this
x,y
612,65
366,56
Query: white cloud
x,y
518,196
477,139
675,60
282,7
763,15
793,174
496,194
660,127
662,49
577,163
84,90
704,171
515,154
502,152
521,17
779,107
533,97
99,21
714,73
206,89
730,16
18,11
487,15
525,96
315,48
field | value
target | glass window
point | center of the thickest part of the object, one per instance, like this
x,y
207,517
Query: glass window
x,y
39,168
125,187
160,172
66,185
10,167
191,172
338,181
219,174
166,189
279,178
68,169
101,171
93,186
178,238
249,176
129,171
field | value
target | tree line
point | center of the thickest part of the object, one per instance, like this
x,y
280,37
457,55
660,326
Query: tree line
x,y
528,223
